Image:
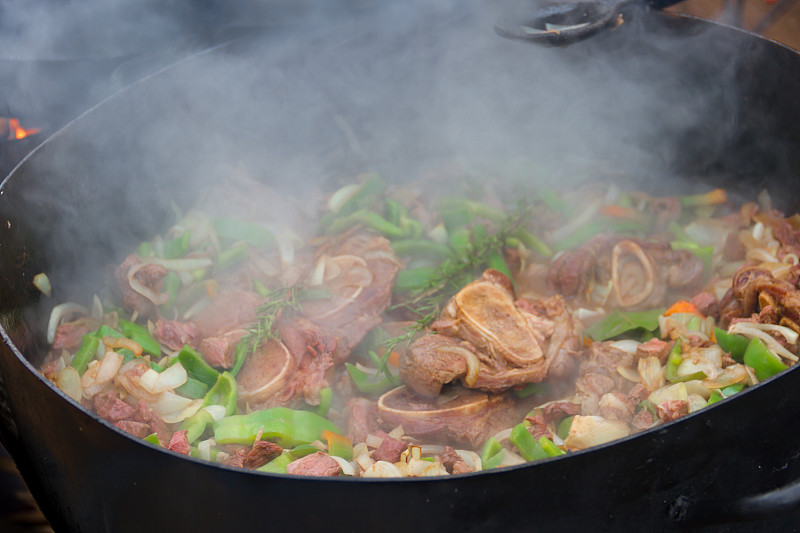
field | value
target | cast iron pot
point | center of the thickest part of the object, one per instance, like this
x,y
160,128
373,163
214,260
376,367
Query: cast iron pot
x,y
402,91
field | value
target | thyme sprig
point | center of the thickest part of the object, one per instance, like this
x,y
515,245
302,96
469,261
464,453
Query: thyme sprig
x,y
279,301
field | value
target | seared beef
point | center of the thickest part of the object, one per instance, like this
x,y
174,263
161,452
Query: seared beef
x,y
150,276
262,452
220,350
360,415
453,462
109,406
228,311
312,349
672,410
70,334
175,334
317,464
389,450
655,347
179,442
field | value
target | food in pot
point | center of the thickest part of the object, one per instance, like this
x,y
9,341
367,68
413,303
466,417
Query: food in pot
x,y
394,331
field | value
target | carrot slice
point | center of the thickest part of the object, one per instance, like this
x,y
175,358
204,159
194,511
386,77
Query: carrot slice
x,y
682,306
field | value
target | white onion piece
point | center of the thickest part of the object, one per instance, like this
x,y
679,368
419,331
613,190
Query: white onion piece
x,y
629,374
627,345
431,449
696,402
384,255
97,308
318,274
158,382
511,459
651,373
204,448
670,393
382,469
500,436
747,329
373,441
69,381
169,402
420,468
109,366
180,416
59,314
284,238
758,231
157,299
729,376
789,334
692,364
472,459
42,282
713,354
471,360
347,467
397,432
587,431
695,386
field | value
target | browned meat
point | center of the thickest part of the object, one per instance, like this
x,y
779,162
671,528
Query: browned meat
x,y
554,411
655,347
317,464
179,442
642,420
598,375
262,452
706,303
360,415
465,416
638,393
175,334
109,406
312,349
672,410
220,350
141,423
496,343
756,295
137,429
616,406
69,335
361,290
228,311
453,462
538,426
150,276
389,450
572,272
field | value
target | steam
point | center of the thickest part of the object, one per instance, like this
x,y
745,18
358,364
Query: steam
x,y
404,88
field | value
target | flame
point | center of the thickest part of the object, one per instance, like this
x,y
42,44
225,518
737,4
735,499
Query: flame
x,y
10,129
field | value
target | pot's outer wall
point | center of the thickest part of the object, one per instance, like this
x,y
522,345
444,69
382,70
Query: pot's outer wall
x,y
89,476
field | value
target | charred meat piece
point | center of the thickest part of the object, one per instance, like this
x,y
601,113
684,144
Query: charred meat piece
x,y
492,343
220,350
175,334
317,464
139,284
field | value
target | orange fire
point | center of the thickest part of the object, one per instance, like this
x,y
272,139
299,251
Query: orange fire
x,y
10,129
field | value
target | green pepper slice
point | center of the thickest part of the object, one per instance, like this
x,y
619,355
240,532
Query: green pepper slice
x,y
286,427
762,360
196,367
85,353
529,449
732,343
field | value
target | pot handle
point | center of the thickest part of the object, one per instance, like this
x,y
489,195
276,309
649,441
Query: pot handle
x,y
749,508
566,22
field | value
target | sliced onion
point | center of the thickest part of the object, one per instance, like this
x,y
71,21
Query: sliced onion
x,y
695,386
697,402
340,197
438,234
121,342
157,299
674,392
629,374
373,441
69,381
419,468
174,408
651,373
158,382
729,376
587,431
691,364
97,308
396,433
42,282
500,436
382,469
318,274
752,329
472,459
567,229
204,448
511,459
473,364
347,466
217,412
627,345
284,238
59,314
109,366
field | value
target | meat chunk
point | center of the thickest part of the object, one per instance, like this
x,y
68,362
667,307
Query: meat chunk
x,y
360,416
491,342
389,450
262,452
150,276
453,462
70,334
317,464
706,303
672,410
220,350
230,310
313,350
179,442
655,347
109,406
175,334
365,269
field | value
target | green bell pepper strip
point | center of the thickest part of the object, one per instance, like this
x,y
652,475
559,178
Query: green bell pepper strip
x,y
369,219
152,439
394,211
492,454
286,427
529,449
301,450
233,255
242,350
455,217
421,248
712,197
178,246
364,383
532,242
481,210
338,445
193,389
412,279
762,360
730,390
223,393
278,465
530,388
563,427
172,282
364,197
127,355
325,399
496,261
105,331
549,447
620,322
236,229
732,343
145,250
85,353
412,228
196,367
196,424
141,336
459,241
